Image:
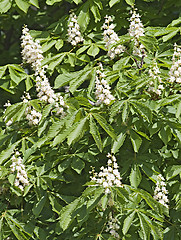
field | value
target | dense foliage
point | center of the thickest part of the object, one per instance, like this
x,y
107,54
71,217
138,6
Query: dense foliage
x,y
90,120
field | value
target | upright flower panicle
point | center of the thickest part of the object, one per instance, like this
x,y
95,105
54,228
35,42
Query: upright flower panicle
x,y
17,166
110,37
160,192
74,34
31,114
155,75
102,93
9,122
31,50
113,226
136,30
175,70
108,177
32,54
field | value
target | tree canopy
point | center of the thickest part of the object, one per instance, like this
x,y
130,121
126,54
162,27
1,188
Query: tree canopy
x,y
90,119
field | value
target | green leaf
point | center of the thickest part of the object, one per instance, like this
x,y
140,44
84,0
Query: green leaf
x,y
16,231
113,2
144,226
93,50
170,35
173,171
2,69
66,214
165,134
77,1
51,2
118,143
125,112
127,222
135,176
115,108
28,83
56,60
47,45
130,2
136,140
8,151
178,112
75,83
95,11
95,133
17,74
34,3
64,165
38,207
77,165
23,5
104,124
5,5
65,78
143,110
78,131
84,17
59,44
1,228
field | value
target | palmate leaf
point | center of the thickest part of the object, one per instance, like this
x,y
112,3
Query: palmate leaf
x,y
118,143
66,213
95,133
77,165
143,110
38,207
155,230
135,176
104,124
77,132
74,84
127,222
144,226
16,228
136,140
8,151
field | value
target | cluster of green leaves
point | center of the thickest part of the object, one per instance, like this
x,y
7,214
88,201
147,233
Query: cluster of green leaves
x,y
142,130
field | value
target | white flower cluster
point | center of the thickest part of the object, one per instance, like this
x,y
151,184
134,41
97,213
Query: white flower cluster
x,y
110,37
8,123
175,70
31,114
113,226
136,30
154,73
102,93
161,191
17,166
31,52
74,34
108,177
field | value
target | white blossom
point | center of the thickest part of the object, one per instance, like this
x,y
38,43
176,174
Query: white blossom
x,y
32,54
175,70
136,30
161,191
17,166
113,226
74,34
102,93
154,73
110,37
109,176
31,50
31,114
